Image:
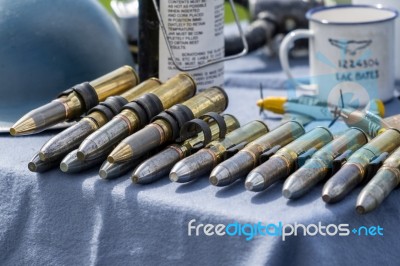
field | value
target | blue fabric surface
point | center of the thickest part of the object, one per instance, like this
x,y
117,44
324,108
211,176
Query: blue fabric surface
x,y
59,219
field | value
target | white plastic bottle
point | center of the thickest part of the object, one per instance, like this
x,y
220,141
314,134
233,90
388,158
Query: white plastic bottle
x,y
195,31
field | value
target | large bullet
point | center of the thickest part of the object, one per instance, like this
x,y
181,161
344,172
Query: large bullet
x,y
72,137
285,160
248,158
206,159
136,115
161,164
359,167
166,126
380,186
320,165
74,102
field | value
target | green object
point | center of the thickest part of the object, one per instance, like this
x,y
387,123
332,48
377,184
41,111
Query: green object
x,y
106,4
242,11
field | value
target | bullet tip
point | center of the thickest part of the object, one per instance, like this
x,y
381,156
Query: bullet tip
x,y
327,198
173,177
32,167
360,209
80,155
121,153
287,193
135,179
366,203
214,180
13,131
254,182
221,176
64,167
182,172
25,126
103,174
249,185
110,159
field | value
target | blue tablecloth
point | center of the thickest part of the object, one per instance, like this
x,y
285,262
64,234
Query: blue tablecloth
x,y
60,219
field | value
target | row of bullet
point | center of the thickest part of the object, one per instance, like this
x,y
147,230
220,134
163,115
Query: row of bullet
x,y
124,130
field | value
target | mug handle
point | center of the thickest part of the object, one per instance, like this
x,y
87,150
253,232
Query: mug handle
x,y
286,45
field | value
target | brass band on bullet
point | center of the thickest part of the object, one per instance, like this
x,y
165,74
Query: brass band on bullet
x,y
168,92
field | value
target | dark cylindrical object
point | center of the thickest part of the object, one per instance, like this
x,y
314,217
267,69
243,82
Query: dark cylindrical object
x,y
148,40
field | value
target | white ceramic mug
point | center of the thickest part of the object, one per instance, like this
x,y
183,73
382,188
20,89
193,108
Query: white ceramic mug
x,y
351,50
394,4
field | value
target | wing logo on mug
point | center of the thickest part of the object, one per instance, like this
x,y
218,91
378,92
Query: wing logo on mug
x,y
350,47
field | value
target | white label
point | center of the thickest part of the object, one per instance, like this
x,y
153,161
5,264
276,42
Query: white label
x,y
196,33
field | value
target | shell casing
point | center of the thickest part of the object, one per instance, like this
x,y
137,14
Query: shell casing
x,y
175,90
385,142
355,170
115,82
160,131
213,99
231,124
161,164
246,159
246,133
380,186
203,161
146,86
181,86
282,135
316,138
319,166
284,161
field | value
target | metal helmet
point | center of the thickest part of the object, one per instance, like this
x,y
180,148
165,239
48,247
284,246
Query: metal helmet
x,y
49,46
